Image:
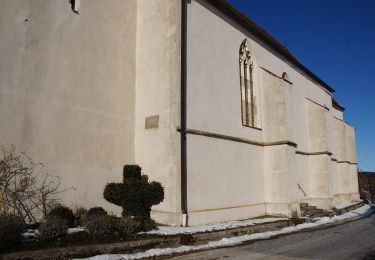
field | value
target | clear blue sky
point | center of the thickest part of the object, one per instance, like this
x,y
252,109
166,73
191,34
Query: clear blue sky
x,y
335,39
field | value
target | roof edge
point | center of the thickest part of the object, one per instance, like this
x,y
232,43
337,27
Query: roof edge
x,y
337,105
366,173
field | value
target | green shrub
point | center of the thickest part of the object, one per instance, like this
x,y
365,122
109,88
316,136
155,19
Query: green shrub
x,y
96,211
55,227
11,229
136,195
64,213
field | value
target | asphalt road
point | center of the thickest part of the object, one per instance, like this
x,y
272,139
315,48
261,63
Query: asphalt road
x,y
353,240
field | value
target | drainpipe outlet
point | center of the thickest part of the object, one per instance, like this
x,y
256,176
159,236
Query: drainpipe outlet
x,y
184,220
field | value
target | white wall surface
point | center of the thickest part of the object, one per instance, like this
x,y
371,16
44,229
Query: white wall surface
x,y
298,112
67,90
158,85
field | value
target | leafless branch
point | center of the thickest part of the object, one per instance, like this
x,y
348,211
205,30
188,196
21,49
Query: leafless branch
x,y
26,189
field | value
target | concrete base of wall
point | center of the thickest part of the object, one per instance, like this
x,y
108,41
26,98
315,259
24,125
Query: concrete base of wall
x,y
349,208
167,218
351,197
339,198
225,214
278,209
355,197
239,213
321,203
295,209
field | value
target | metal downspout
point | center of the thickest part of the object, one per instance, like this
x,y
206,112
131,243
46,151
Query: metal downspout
x,y
183,114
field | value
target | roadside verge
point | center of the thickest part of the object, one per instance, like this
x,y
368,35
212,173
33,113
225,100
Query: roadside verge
x,y
173,240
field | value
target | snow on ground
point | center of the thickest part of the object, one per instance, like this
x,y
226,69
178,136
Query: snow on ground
x,y
344,204
165,230
75,230
354,213
33,234
233,241
30,235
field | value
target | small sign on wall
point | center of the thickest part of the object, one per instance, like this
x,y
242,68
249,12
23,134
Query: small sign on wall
x,y
152,122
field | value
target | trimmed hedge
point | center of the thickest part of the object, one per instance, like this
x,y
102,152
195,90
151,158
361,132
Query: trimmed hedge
x,y
136,195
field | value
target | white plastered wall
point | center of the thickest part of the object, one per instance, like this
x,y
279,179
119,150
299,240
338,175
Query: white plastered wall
x,y
279,161
158,85
346,162
67,90
214,107
317,117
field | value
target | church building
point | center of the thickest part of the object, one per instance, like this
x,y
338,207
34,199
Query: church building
x,y
202,98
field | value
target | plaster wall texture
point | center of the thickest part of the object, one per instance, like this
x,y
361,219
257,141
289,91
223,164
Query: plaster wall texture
x,y
320,178
317,127
318,119
340,139
353,173
350,144
338,114
67,90
341,179
224,185
334,181
274,108
300,112
303,177
330,132
280,179
157,150
209,33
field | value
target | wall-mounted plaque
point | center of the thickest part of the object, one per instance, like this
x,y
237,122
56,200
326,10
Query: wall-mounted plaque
x,y
152,122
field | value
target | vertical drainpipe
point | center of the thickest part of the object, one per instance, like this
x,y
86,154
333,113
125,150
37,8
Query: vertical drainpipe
x,y
183,114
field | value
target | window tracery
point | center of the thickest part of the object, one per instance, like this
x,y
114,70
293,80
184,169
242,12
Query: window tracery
x,y
248,102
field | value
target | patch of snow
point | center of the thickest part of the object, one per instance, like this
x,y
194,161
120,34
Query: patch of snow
x,y
233,241
344,204
75,230
33,234
30,235
165,230
354,213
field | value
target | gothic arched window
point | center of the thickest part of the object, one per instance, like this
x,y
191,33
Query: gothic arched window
x,y
248,103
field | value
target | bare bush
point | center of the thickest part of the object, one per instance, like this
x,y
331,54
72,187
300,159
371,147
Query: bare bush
x,y
100,226
26,190
127,225
11,229
54,227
